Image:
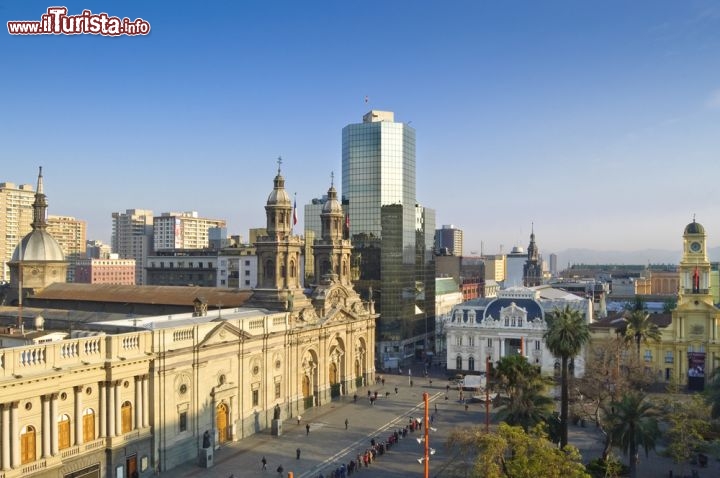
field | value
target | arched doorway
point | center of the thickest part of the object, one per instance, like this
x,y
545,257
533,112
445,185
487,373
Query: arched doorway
x,y
221,422
126,417
63,431
333,379
27,445
307,394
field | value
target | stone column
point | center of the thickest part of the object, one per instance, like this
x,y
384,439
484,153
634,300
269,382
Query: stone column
x,y
15,435
146,401
53,424
6,436
46,432
118,407
138,402
78,415
102,409
110,409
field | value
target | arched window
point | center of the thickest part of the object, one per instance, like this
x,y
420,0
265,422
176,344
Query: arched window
x,y
269,271
126,414
471,363
88,425
27,445
292,268
458,363
63,432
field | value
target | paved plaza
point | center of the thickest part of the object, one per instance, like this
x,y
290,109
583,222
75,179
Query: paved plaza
x,y
328,444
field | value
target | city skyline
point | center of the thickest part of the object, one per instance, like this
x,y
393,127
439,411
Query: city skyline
x,y
596,121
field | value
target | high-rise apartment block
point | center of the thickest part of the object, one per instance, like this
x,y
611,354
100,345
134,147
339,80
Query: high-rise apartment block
x,y
71,234
17,214
132,233
449,241
378,192
96,249
183,230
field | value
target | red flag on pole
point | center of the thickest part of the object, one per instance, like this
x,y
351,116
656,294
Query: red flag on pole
x,y
295,212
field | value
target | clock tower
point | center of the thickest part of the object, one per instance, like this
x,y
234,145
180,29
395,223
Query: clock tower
x,y
694,265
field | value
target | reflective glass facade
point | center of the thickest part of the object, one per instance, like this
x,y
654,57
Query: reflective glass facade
x,y
378,192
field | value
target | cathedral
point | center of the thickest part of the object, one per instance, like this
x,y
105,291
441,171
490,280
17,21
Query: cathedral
x,y
129,397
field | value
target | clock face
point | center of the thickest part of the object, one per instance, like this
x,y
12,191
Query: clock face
x,y
695,246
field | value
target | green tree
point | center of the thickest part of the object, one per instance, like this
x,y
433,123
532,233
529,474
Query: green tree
x,y
523,398
511,452
712,393
565,337
688,421
641,329
634,425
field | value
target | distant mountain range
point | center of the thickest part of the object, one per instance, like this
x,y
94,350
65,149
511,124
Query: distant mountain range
x,y
641,257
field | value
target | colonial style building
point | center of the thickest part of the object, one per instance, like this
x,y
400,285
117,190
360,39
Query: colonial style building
x,y
689,348
148,393
511,324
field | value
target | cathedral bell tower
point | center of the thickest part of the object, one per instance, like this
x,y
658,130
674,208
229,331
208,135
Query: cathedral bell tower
x,y
278,253
532,269
331,250
695,265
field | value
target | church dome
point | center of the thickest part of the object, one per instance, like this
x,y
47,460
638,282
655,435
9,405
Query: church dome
x,y
279,196
694,228
39,245
332,205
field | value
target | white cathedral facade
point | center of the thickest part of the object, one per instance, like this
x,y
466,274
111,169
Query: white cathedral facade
x,y
128,404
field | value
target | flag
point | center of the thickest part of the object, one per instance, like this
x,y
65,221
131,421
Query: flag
x,y
295,212
347,221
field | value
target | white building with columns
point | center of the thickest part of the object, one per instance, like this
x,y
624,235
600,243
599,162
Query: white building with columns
x,y
510,324
140,394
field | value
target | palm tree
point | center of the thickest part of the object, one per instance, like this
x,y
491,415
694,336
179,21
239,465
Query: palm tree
x,y
633,425
565,337
524,400
640,328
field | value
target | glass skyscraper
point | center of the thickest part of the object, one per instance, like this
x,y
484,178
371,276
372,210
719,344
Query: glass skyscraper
x,y
378,193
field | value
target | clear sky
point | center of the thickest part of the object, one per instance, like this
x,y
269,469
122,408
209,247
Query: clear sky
x,y
597,120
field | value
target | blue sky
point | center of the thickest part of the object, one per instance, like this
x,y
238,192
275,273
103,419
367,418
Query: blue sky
x,y
597,120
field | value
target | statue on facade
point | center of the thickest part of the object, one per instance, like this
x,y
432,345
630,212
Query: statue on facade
x,y
290,300
276,412
206,439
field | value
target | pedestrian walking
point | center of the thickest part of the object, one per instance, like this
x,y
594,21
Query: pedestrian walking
x,y
297,453
280,470
411,382
436,408
346,423
264,463
307,429
396,390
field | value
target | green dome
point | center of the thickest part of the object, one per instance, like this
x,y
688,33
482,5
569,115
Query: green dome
x,y
694,228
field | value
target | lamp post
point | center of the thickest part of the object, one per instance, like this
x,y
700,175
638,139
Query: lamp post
x,y
487,395
426,421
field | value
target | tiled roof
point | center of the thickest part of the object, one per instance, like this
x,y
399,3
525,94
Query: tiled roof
x,y
148,294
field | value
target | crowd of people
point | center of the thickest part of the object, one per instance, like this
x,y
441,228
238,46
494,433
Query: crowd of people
x,y
377,449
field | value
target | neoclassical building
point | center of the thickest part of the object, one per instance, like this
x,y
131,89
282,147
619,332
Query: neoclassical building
x,y
690,345
513,323
147,393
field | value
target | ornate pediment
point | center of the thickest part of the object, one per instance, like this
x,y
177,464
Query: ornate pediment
x,y
223,333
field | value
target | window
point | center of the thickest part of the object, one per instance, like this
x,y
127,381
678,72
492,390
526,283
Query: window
x,y
648,356
126,415
27,445
88,425
471,363
458,363
247,263
277,389
471,341
255,398
247,282
507,322
668,356
489,343
537,345
247,273
183,421
458,340
63,432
